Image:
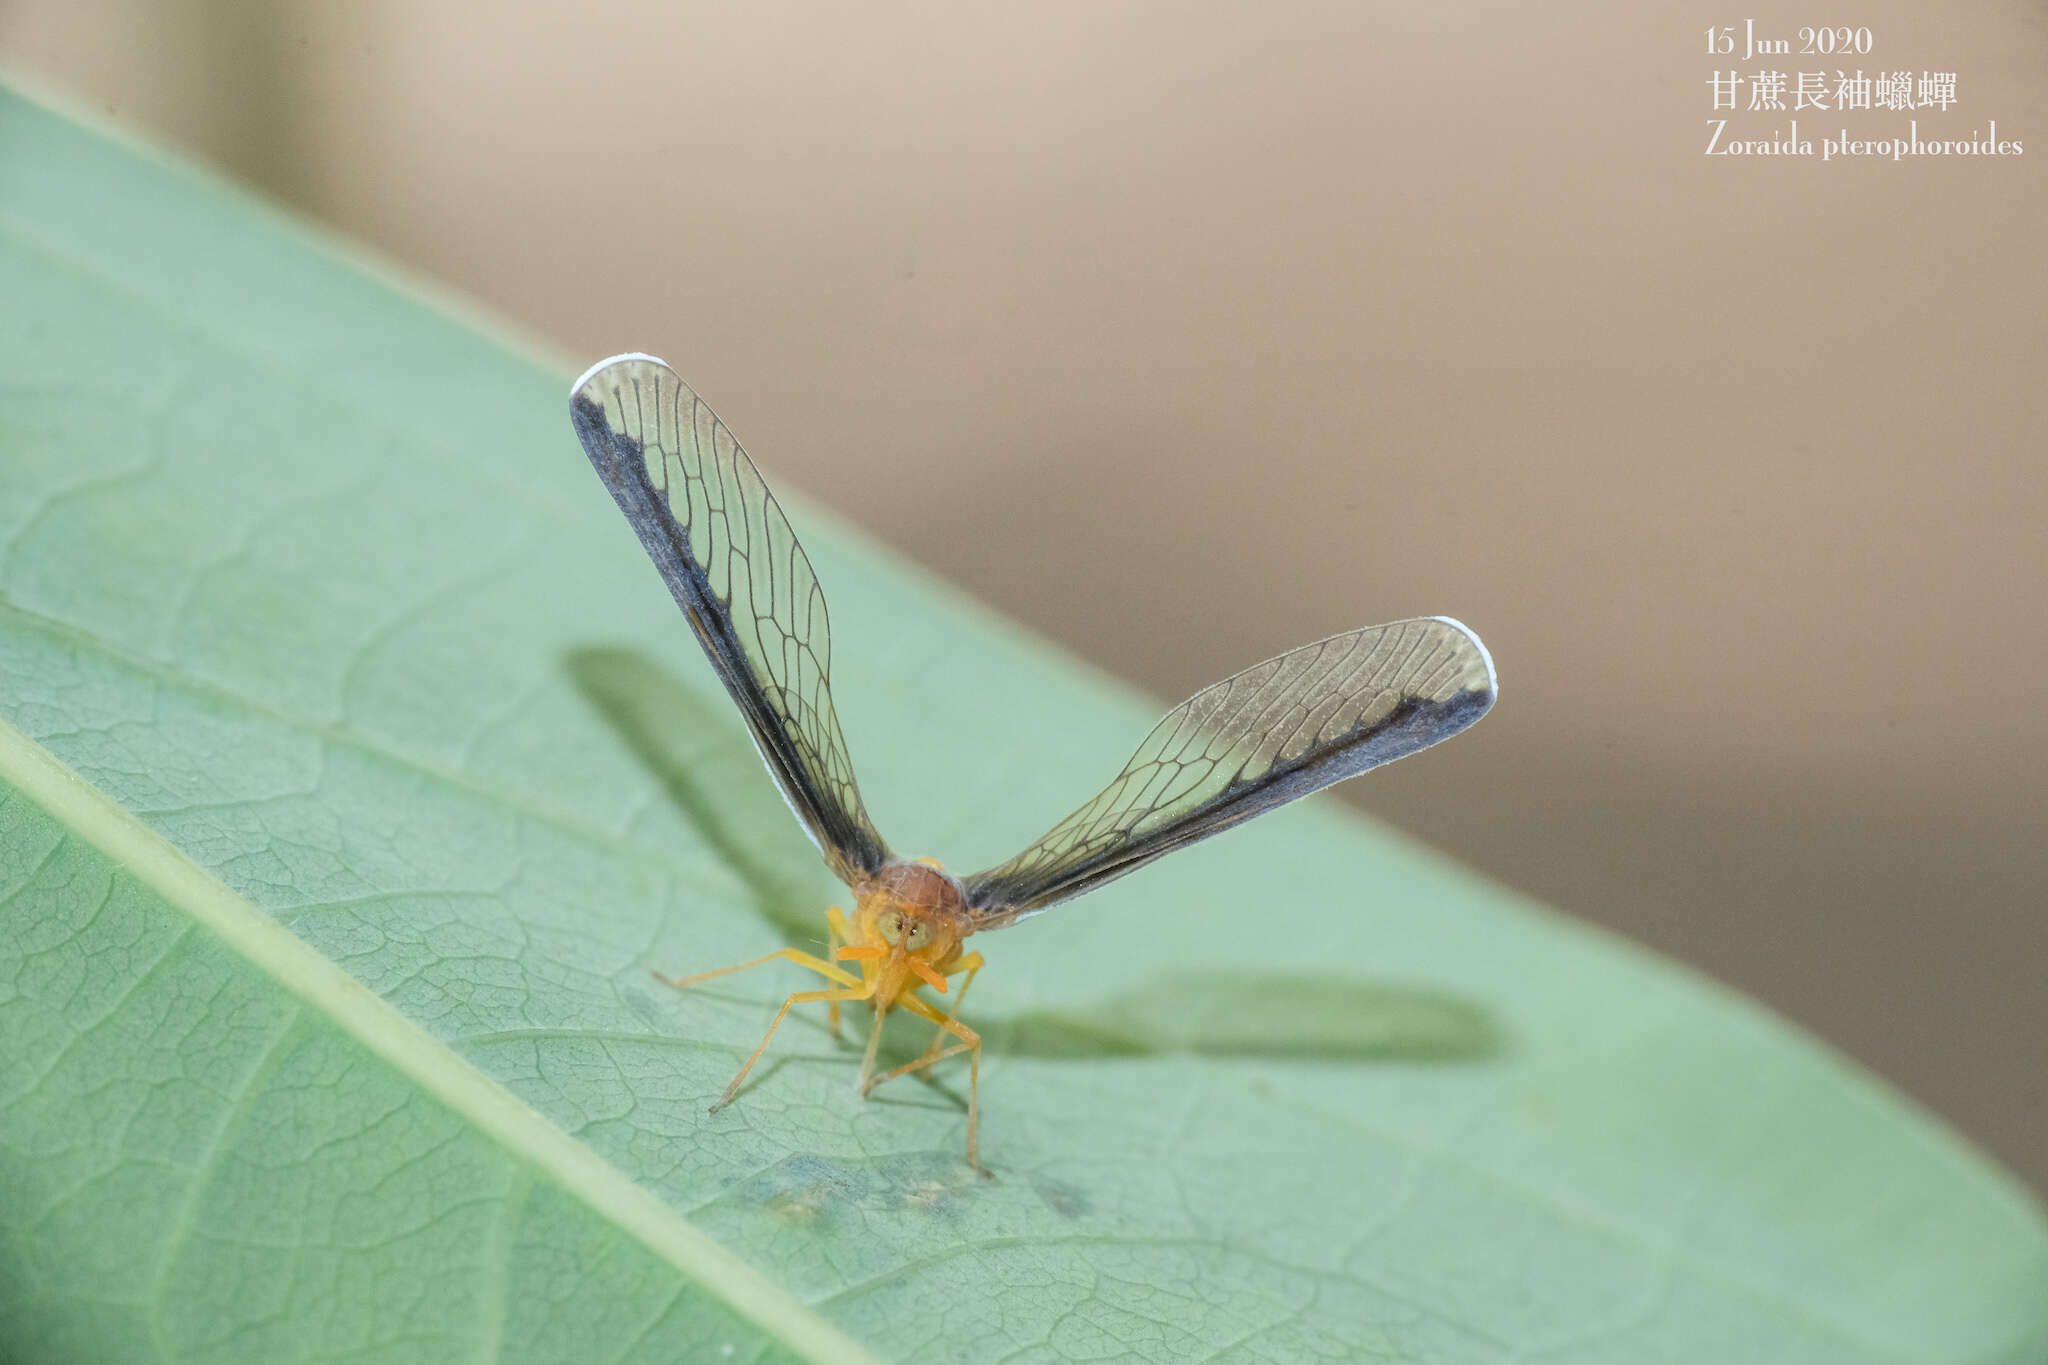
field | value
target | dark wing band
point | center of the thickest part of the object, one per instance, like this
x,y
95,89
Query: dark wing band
x,y
1280,730
728,555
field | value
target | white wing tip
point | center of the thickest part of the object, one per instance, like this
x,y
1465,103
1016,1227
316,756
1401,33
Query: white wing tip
x,y
1485,655
609,361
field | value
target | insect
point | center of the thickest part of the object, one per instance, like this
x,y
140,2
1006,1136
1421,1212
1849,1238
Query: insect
x,y
1277,731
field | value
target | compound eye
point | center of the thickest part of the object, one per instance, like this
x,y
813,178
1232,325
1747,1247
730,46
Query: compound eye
x,y
891,926
919,935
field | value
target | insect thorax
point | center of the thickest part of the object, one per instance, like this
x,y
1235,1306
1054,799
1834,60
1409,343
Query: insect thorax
x,y
917,892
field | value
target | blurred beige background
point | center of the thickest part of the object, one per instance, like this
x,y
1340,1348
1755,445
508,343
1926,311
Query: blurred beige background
x,y
1185,333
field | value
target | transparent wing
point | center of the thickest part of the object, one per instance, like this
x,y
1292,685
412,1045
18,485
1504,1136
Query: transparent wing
x,y
734,566
1277,731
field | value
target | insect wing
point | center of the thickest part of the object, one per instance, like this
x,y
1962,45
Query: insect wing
x,y
1277,731
734,566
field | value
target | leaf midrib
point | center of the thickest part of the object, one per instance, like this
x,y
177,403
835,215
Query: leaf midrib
x,y
668,861
319,985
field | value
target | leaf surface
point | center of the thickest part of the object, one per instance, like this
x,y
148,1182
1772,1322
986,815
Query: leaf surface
x,y
308,583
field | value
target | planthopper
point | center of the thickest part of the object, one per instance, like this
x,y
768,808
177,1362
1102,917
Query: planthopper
x,y
1277,731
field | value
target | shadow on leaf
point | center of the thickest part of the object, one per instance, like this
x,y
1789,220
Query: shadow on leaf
x,y
1304,1018
715,779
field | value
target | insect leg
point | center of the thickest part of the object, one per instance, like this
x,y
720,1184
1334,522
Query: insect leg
x,y
867,1062
970,964
858,991
928,1059
800,958
970,1042
836,933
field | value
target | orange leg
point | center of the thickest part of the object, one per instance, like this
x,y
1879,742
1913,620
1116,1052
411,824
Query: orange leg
x,y
800,958
851,987
836,933
858,991
970,964
970,1042
926,1060
867,1062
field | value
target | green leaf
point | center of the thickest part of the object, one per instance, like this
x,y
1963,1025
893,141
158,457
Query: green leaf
x,y
362,770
